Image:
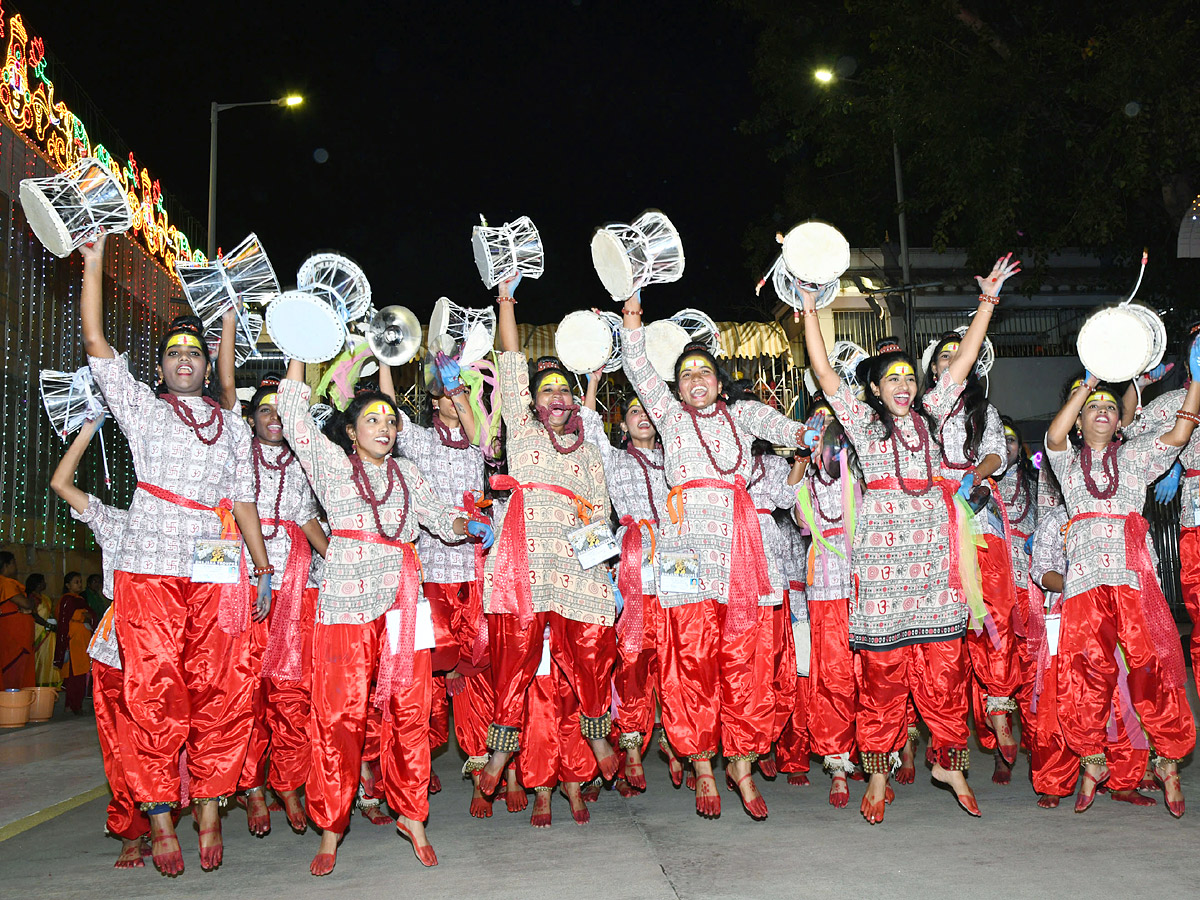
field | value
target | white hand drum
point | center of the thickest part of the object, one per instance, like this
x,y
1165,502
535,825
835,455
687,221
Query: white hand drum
x,y
615,324
787,287
307,327
70,399
583,341
471,330
629,257
983,364
515,248
75,207
320,413
242,276
339,277
844,357
245,340
1118,343
817,255
701,328
665,340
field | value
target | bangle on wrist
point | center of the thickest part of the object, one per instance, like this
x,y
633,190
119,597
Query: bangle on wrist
x,y
1191,417
460,388
259,571
500,298
988,298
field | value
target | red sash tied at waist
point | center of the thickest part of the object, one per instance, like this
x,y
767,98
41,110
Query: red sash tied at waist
x,y
237,600
395,666
281,659
511,593
1159,623
631,629
748,578
473,506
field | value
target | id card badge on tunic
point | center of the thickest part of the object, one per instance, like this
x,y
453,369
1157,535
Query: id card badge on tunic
x,y
803,639
648,574
423,638
216,561
1053,623
679,572
544,666
593,544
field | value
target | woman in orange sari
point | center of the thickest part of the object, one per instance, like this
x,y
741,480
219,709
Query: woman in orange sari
x,y
75,631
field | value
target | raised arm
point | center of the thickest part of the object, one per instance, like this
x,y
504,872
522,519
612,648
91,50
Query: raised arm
x,y
1060,427
506,316
1185,422
814,346
968,349
656,398
91,302
226,378
387,384
62,482
593,389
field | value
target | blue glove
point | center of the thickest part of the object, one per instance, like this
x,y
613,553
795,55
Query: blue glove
x,y
968,483
812,430
448,371
262,604
481,530
1029,545
1194,360
512,284
1168,485
616,591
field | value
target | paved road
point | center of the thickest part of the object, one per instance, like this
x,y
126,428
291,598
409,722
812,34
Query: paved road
x,y
654,846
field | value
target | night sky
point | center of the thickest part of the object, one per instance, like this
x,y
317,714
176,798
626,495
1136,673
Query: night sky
x,y
573,112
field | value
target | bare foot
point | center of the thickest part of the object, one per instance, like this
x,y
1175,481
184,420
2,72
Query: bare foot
x,y
1094,775
839,791
708,801
515,799
606,758
739,776
258,819
208,822
1006,744
481,807
540,817
675,770
1132,796
579,810
635,773
1167,775
326,857
1047,801
907,773
296,815
415,832
873,801
957,781
164,845
489,777
131,854
1002,773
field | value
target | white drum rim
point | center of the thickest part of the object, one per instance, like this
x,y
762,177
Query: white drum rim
x,y
325,318
612,264
439,319
796,266
662,331
362,298
575,361
483,257
44,221
615,323
1103,367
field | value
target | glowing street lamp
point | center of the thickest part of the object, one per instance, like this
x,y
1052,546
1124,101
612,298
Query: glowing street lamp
x,y
823,75
291,100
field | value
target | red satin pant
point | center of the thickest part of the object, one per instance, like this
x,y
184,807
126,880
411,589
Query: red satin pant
x,y
636,677
784,683
344,659
125,819
473,702
716,688
1093,623
1054,767
188,685
553,749
794,744
833,690
996,668
585,653
936,676
1189,579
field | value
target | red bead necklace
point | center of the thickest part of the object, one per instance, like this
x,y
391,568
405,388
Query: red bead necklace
x,y
362,482
184,412
922,444
448,440
573,425
646,464
1108,464
723,409
286,458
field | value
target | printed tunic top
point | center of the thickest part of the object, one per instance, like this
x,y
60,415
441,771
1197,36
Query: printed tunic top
x,y
451,472
106,523
1096,546
903,542
158,536
795,566
297,503
1022,513
1049,552
558,583
1159,415
361,578
770,491
953,435
830,572
688,438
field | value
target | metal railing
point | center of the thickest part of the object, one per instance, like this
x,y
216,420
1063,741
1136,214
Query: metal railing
x,y
864,327
1049,331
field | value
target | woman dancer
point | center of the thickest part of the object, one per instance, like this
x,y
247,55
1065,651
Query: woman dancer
x,y
826,508
71,657
715,641
1111,594
44,639
17,617
367,613
187,642
639,493
557,485
973,449
907,618
125,819
288,512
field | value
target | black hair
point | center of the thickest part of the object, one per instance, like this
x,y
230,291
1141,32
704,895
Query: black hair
x,y
96,578
1117,390
32,581
973,399
1024,463
193,326
870,371
335,428
67,579
732,390
761,447
6,557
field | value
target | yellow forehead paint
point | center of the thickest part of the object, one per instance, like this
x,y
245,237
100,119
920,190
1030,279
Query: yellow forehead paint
x,y
554,380
1100,397
271,399
899,367
950,347
695,361
184,339
1008,432
379,408
632,403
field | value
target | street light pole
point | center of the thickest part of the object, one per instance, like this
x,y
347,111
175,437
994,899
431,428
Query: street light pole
x,y
289,101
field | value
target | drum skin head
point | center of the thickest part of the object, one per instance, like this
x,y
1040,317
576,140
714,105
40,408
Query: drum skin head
x,y
816,253
45,221
665,340
1114,344
583,341
612,265
305,328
